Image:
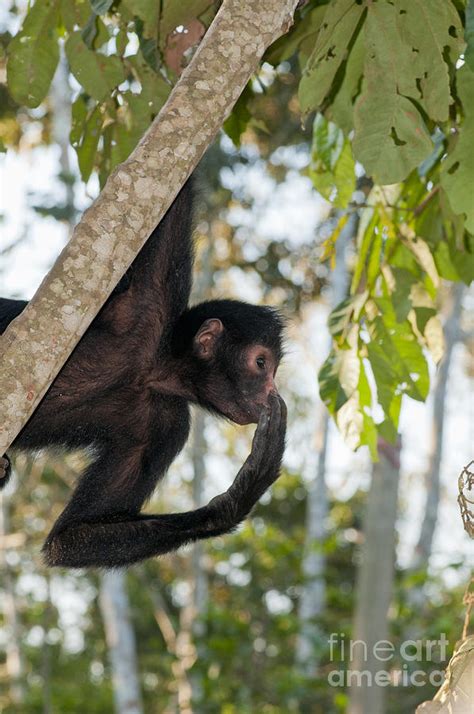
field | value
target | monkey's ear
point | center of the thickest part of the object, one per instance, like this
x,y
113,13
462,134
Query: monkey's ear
x,y
207,336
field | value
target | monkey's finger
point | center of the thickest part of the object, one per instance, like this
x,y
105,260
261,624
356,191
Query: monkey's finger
x,y
283,408
275,403
261,431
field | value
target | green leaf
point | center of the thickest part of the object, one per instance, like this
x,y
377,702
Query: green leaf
x,y
401,294
401,348
100,7
328,141
132,120
338,378
305,28
34,54
390,135
340,317
97,73
424,257
332,167
457,175
74,13
174,14
85,135
155,90
239,119
368,434
428,27
89,31
444,264
147,11
375,259
469,35
422,315
341,110
364,242
340,22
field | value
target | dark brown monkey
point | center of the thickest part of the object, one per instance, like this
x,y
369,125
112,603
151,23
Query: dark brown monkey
x,y
126,389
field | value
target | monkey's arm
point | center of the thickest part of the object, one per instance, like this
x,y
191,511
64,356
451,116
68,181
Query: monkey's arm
x,y
114,540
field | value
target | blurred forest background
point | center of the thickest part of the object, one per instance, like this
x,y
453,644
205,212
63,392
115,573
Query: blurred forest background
x,y
242,623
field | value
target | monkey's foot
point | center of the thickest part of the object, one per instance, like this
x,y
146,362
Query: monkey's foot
x,y
5,471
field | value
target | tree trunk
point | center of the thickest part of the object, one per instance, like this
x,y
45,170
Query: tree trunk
x,y
134,199
374,587
120,637
313,596
423,549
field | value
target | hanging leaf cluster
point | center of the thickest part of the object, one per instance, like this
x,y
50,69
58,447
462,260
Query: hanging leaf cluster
x,y
392,85
117,53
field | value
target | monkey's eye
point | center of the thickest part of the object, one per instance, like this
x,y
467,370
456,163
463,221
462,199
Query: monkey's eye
x,y
261,363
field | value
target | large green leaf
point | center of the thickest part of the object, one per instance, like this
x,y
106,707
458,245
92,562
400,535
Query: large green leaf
x,y
97,73
340,22
85,134
401,349
469,35
75,13
341,110
306,28
34,54
390,135
147,11
154,89
457,175
428,28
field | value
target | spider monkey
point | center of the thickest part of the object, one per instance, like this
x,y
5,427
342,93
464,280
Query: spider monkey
x,y
126,389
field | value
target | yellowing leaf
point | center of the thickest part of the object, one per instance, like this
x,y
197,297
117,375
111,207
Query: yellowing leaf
x,y
434,337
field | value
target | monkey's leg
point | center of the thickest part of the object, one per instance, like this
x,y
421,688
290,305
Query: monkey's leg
x,y
5,471
103,534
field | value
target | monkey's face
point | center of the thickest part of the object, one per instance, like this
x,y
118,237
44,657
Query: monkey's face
x,y
240,381
235,377
254,381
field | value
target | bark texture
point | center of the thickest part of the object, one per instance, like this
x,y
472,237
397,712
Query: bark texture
x,y
134,199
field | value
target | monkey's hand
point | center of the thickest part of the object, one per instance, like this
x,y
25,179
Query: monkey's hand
x,y
5,471
259,471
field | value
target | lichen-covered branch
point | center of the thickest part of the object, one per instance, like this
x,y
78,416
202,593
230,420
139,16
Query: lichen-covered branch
x,y
134,199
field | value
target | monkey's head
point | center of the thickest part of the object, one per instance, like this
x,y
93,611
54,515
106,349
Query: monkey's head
x,y
232,351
